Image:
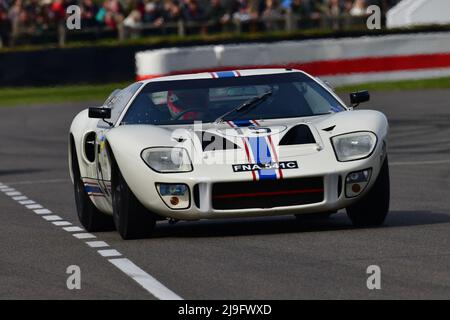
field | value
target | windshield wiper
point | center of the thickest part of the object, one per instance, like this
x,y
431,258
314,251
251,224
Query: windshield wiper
x,y
247,104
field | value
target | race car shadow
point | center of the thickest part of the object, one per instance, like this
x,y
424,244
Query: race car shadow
x,y
288,224
19,171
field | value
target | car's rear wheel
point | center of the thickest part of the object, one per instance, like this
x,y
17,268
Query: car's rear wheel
x,y
91,218
131,219
373,208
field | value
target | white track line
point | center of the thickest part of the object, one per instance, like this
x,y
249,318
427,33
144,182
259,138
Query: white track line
x,y
109,253
13,193
52,217
84,235
418,163
61,223
149,283
24,202
97,244
19,198
42,211
73,229
34,206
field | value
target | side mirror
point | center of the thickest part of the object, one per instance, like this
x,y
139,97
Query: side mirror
x,y
99,113
359,97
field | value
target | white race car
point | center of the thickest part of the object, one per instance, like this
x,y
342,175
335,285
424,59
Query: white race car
x,y
227,144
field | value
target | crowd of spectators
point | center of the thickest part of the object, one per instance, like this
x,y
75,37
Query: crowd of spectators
x,y
37,16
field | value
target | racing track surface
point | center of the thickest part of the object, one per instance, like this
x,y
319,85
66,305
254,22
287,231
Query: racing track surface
x,y
275,258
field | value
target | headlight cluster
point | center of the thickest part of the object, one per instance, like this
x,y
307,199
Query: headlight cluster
x,y
356,182
175,196
167,159
354,146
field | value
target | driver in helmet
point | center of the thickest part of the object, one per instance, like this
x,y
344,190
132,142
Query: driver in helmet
x,y
188,104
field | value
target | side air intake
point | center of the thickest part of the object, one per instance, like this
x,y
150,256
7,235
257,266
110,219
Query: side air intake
x,y
300,134
89,146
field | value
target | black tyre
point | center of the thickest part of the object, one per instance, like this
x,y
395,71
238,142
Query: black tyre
x,y
131,219
373,208
91,218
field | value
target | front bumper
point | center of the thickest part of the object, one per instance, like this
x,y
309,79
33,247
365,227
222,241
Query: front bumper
x,y
332,172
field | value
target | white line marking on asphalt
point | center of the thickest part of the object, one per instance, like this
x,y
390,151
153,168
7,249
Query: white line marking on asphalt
x,y
13,193
418,163
62,223
52,218
20,198
84,235
38,181
42,211
97,244
149,283
109,253
73,229
34,206
24,202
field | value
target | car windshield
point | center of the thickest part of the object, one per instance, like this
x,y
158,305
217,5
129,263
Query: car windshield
x,y
185,101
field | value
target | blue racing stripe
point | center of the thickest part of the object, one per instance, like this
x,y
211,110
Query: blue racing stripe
x,y
242,123
261,154
225,74
91,189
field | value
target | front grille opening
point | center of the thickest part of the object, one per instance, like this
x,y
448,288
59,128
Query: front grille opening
x,y
196,196
267,194
339,187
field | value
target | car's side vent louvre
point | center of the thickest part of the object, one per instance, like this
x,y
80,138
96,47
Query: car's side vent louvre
x,y
211,142
89,146
300,134
329,128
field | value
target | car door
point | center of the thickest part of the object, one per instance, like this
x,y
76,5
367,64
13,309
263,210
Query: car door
x,y
117,102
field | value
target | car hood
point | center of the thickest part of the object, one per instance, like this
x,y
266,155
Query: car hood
x,y
135,138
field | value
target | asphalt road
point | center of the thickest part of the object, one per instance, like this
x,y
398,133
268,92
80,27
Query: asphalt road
x,y
263,258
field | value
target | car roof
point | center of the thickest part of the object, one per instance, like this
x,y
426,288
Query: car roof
x,y
219,74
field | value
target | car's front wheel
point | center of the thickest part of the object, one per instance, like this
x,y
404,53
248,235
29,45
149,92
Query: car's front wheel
x,y
131,219
373,208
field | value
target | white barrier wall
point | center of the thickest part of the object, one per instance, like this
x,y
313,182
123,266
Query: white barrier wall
x,y
346,60
409,13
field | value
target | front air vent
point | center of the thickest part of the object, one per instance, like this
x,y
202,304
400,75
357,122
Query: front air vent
x,y
329,128
197,196
339,187
300,134
214,142
264,194
89,146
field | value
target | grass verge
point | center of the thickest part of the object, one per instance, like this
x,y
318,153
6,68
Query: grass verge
x,y
80,93
437,83
55,95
